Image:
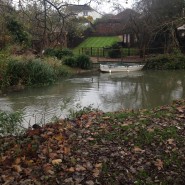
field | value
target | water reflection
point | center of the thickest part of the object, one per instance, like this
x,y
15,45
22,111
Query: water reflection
x,y
109,92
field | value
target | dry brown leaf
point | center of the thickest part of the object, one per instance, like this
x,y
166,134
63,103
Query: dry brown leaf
x,y
53,155
17,168
47,167
159,164
150,130
80,168
180,109
18,160
90,139
72,169
138,150
107,117
98,165
56,161
170,141
89,123
58,137
96,172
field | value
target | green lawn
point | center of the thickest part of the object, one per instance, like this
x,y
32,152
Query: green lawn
x,y
97,42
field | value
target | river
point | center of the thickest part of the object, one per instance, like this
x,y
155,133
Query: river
x,y
108,92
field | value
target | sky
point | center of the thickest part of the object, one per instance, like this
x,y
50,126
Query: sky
x,y
103,7
106,7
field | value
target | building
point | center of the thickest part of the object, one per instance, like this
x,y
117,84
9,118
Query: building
x,y
84,11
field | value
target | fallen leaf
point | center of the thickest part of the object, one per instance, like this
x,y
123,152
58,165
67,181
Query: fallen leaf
x,y
17,168
138,150
150,130
159,164
53,155
66,150
96,172
58,137
56,161
107,117
99,165
72,169
18,160
180,109
90,182
170,141
89,123
80,168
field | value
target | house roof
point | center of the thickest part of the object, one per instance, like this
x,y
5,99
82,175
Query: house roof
x,y
79,8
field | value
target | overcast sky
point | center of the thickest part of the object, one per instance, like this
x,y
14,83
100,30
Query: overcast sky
x,y
103,7
106,7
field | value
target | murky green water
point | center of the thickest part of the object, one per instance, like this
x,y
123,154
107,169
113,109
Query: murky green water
x,y
108,92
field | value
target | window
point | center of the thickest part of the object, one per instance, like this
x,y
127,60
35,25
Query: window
x,y
85,13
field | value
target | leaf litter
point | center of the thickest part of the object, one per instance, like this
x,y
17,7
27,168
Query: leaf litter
x,y
125,147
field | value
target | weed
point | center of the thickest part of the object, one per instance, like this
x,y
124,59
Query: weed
x,y
11,123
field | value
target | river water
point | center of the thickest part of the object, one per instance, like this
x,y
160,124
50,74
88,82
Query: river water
x,y
108,92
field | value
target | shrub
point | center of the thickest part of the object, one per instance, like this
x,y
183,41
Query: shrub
x,y
50,52
70,61
18,32
83,61
115,51
39,72
63,53
28,72
166,61
59,53
11,123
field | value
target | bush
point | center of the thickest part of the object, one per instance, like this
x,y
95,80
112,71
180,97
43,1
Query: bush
x,y
50,52
63,53
59,53
11,123
115,51
28,73
84,62
81,61
70,61
39,72
166,61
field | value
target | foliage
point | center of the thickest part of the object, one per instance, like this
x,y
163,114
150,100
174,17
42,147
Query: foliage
x,y
166,61
39,72
81,61
70,61
29,72
59,53
17,31
11,123
64,52
115,51
74,114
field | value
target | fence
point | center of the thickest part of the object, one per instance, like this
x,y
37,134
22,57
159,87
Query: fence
x,y
108,52
121,52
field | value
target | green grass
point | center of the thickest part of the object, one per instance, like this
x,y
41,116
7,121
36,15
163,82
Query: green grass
x,y
97,42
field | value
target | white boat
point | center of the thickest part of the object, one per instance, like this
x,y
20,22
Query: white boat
x,y
109,68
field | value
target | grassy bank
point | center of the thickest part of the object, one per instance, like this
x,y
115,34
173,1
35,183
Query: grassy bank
x,y
125,147
166,61
96,42
17,71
